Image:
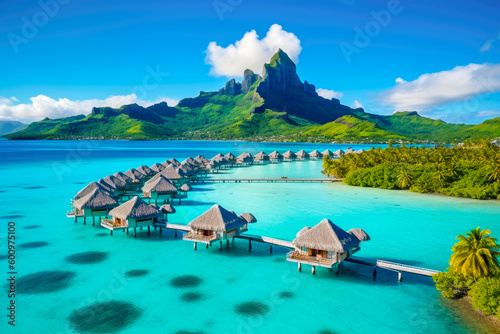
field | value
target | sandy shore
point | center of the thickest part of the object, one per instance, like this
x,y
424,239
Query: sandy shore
x,y
475,320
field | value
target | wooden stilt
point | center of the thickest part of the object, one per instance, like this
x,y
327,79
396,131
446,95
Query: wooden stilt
x,y
135,232
400,276
127,230
233,239
220,245
271,249
111,232
374,272
75,218
84,221
149,229
314,270
299,266
196,245
93,220
227,242
175,233
141,228
249,245
160,230
338,269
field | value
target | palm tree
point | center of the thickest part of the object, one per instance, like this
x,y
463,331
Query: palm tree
x,y
494,171
476,254
404,178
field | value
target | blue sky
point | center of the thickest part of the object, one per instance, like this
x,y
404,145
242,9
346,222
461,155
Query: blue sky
x,y
83,52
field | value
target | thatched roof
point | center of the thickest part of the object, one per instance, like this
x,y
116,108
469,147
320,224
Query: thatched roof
x,y
97,199
261,156
349,150
185,187
217,219
289,155
326,236
167,208
166,163
230,157
124,177
338,153
275,155
315,154
118,182
187,169
358,151
146,170
302,154
219,160
360,234
109,186
172,173
135,208
174,162
245,157
249,218
135,174
157,167
327,153
191,162
161,184
304,229
90,188
201,159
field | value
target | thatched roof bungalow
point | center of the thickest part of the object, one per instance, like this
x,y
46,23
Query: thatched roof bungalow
x,y
261,157
90,188
174,162
316,155
245,158
166,209
176,175
119,183
159,189
95,204
275,156
214,224
157,167
135,175
248,217
289,156
230,158
323,245
302,155
123,177
327,153
201,159
338,153
146,171
131,214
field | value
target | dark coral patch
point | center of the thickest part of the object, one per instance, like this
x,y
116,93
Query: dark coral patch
x,y
12,217
34,244
189,332
285,294
107,317
185,281
136,273
191,297
44,282
87,257
252,309
31,227
101,234
34,187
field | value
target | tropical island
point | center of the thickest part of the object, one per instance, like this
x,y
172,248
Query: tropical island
x,y
471,170
274,107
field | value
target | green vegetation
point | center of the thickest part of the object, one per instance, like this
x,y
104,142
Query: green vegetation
x,y
474,270
472,172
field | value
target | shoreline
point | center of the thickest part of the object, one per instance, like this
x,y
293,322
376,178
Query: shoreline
x,y
472,318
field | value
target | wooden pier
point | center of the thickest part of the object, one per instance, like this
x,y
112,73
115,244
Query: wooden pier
x,y
280,180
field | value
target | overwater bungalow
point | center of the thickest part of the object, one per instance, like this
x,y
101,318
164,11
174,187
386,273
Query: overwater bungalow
x,y
182,192
261,158
132,214
245,158
215,224
302,155
110,187
137,177
218,162
349,151
230,158
316,155
358,151
90,188
166,163
360,234
146,171
289,156
338,154
323,245
118,182
187,169
201,159
166,209
159,189
95,204
327,153
275,156
249,218
124,177
191,162
174,162
157,167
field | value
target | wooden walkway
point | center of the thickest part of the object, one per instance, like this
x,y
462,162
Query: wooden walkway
x,y
399,267
280,180
267,240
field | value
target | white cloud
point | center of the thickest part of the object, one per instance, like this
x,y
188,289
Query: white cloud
x,y
400,80
431,90
250,52
42,106
329,94
356,104
487,114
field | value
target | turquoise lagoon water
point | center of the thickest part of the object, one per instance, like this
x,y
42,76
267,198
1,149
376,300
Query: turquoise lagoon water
x,y
39,179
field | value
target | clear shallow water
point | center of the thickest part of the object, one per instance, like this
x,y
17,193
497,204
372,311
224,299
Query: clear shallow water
x,y
39,178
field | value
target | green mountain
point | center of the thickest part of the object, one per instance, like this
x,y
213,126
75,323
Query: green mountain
x,y
11,126
276,106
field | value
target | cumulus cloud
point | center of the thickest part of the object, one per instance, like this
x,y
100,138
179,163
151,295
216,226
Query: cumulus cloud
x,y
356,104
400,80
431,90
251,52
329,94
42,106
